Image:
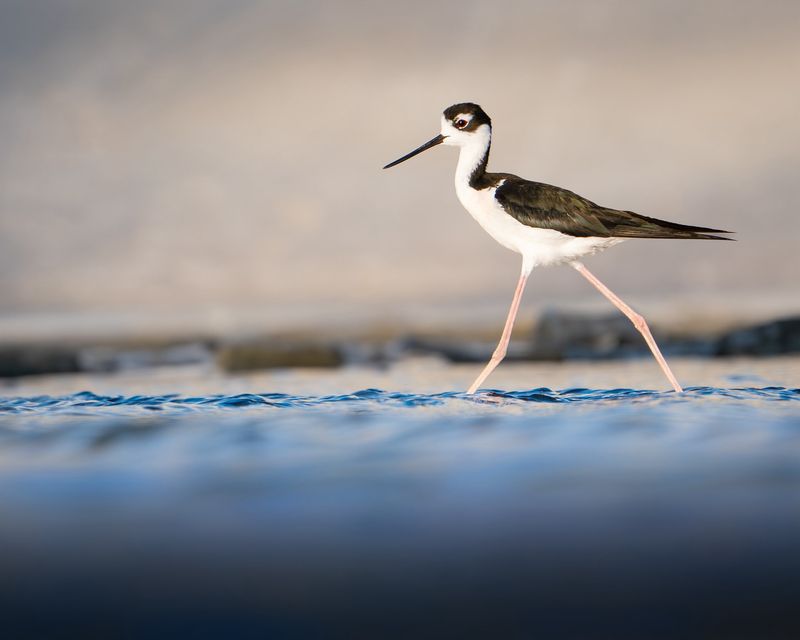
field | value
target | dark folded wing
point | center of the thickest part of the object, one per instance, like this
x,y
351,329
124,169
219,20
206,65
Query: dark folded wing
x,y
544,206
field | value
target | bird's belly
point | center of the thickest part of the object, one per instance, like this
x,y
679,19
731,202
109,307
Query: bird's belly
x,y
539,246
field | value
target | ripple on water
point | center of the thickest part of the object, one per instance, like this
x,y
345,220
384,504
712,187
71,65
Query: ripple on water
x,y
43,405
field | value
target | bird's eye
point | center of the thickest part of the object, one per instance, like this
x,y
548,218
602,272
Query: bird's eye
x,y
460,123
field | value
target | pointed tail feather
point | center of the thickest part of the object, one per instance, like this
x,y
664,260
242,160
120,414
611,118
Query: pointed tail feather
x,y
638,226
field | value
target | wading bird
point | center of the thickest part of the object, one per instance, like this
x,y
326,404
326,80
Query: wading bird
x,y
547,225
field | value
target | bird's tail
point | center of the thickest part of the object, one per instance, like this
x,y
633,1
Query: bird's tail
x,y
647,227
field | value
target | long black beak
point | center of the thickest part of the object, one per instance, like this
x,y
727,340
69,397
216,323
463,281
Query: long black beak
x,y
430,143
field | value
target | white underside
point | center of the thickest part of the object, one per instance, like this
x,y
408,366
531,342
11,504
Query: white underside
x,y
539,247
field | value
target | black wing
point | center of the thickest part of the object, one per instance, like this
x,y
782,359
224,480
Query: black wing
x,y
535,204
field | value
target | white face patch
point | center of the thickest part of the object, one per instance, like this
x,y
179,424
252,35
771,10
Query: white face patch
x,y
458,137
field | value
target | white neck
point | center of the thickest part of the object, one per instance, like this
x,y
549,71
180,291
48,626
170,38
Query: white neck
x,y
472,153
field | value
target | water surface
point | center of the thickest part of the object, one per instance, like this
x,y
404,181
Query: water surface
x,y
381,513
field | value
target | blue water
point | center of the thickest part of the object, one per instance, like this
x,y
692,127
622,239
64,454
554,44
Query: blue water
x,y
302,514
79,402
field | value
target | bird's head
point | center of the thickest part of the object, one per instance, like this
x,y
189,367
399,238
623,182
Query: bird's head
x,y
463,125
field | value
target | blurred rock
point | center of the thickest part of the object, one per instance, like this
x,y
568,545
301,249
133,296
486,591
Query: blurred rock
x,y
559,335
27,360
460,349
115,358
694,347
769,339
270,354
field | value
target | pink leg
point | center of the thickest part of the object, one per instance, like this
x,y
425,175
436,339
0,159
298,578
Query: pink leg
x,y
637,320
502,347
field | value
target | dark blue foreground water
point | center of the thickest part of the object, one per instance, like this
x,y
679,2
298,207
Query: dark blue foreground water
x,y
574,513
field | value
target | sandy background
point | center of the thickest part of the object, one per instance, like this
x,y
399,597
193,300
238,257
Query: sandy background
x,y
208,161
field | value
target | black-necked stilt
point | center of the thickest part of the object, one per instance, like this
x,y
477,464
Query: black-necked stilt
x,y
547,225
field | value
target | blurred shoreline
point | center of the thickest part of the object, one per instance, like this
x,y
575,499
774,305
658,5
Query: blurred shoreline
x,y
336,336
419,374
